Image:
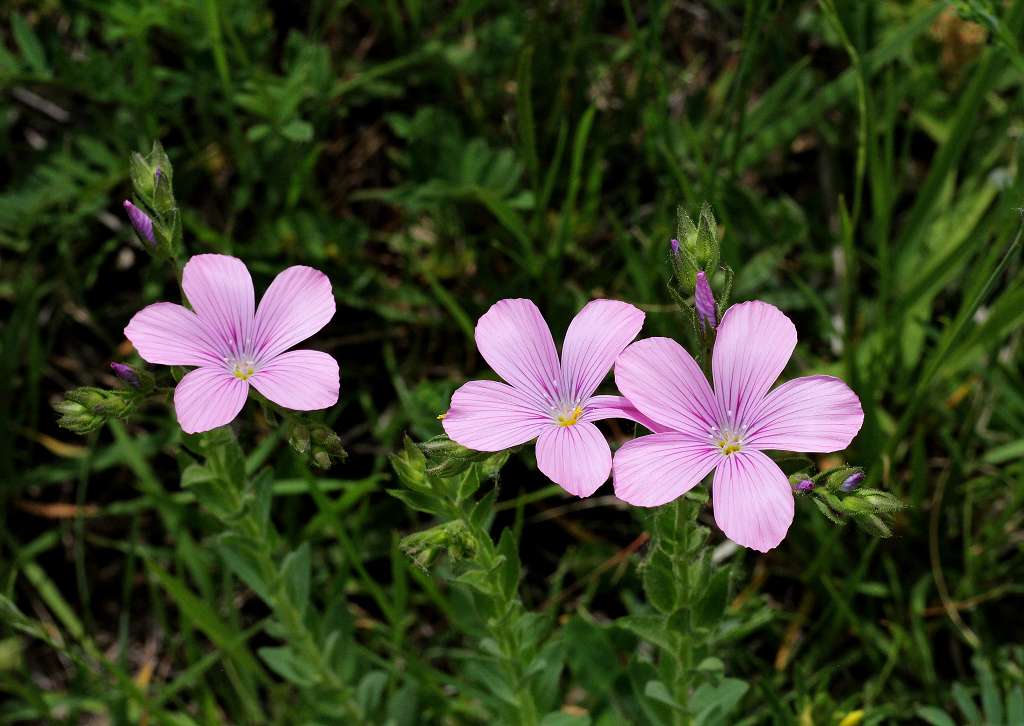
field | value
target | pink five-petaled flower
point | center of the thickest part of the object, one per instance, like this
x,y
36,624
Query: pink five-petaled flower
x,y
546,399
234,344
727,429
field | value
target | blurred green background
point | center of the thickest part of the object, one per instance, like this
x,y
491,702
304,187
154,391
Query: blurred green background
x,y
864,163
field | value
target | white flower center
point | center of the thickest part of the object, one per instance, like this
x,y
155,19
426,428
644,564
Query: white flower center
x,y
728,438
568,416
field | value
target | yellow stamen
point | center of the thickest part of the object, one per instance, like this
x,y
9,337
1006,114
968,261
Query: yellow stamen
x,y
243,374
568,419
730,444
442,416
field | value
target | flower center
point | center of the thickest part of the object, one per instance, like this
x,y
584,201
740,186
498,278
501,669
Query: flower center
x,y
728,438
242,369
728,442
567,417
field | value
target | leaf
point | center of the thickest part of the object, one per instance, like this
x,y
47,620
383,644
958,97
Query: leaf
x,y
657,691
285,663
509,570
965,702
713,703
242,557
370,690
714,599
29,45
297,130
934,716
660,582
653,629
295,572
199,613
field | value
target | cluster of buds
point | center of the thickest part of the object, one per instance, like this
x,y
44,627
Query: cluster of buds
x,y
87,408
316,442
840,496
445,458
452,537
695,261
154,214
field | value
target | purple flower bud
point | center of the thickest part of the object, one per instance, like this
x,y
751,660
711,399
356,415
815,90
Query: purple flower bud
x,y
126,374
675,246
705,301
157,174
852,482
141,222
805,485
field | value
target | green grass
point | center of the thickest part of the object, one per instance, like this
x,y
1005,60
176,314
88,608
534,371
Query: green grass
x,y
864,162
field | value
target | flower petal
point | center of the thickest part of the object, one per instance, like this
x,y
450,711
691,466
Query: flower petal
x,y
576,458
172,335
815,413
298,303
207,398
598,408
752,499
516,342
665,383
653,470
492,416
219,289
754,343
302,380
596,336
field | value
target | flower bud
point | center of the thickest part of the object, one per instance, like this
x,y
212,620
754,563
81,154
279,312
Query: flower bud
x,y
836,478
852,481
125,373
705,301
322,459
298,438
675,246
805,485
141,222
79,410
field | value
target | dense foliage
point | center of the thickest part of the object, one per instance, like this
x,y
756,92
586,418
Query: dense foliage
x,y
864,164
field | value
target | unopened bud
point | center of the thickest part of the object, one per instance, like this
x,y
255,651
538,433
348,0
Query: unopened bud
x,y
322,459
705,301
675,246
805,485
141,222
852,482
836,478
298,438
125,373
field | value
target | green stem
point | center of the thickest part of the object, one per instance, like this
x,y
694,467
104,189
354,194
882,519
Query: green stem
x,y
288,613
502,626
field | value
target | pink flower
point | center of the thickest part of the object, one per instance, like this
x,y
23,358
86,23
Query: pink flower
x,y
727,430
543,398
234,344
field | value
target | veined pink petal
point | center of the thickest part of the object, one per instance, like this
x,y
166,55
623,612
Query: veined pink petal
x,y
219,289
576,458
207,398
665,383
298,303
302,380
601,407
492,416
754,343
752,499
596,336
172,335
516,342
815,413
653,470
